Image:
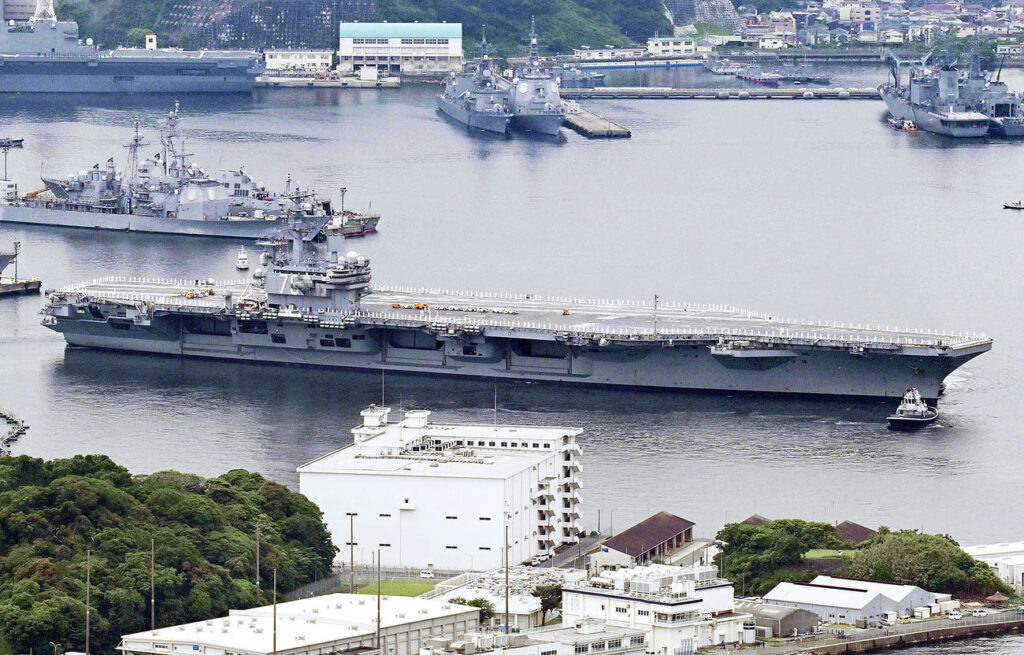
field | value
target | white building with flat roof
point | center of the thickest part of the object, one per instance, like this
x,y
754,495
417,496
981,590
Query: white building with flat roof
x,y
401,48
1006,560
441,495
299,60
524,609
841,600
680,608
336,623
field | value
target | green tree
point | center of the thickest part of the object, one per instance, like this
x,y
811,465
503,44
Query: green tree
x,y
486,607
52,513
550,598
136,37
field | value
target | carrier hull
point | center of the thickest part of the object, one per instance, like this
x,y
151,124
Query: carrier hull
x,y
122,75
244,229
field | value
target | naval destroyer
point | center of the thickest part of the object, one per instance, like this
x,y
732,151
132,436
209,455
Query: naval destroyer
x,y
169,194
44,55
533,97
945,100
310,303
473,98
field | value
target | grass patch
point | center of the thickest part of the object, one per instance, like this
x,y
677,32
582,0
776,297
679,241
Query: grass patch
x,y
400,587
821,553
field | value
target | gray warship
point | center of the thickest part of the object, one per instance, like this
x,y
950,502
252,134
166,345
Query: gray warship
x,y
534,98
472,97
44,55
572,77
311,303
169,194
948,101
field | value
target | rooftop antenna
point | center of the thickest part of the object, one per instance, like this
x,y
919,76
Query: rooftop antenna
x,y
534,51
44,11
152,584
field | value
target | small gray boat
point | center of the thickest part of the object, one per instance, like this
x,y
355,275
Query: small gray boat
x,y
913,412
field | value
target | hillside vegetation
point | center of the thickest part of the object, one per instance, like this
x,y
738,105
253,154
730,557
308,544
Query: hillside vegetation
x,y
757,557
52,513
562,24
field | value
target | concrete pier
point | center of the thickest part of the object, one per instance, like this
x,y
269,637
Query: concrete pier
x,y
12,427
592,126
760,93
8,287
272,82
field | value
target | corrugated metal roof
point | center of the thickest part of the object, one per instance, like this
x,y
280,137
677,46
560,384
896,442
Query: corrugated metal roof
x,y
804,594
400,30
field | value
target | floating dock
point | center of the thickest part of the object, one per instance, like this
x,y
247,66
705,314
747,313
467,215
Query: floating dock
x,y
14,428
762,93
592,126
9,287
273,82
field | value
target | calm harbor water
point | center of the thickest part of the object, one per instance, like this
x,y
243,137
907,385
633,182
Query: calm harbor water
x,y
804,209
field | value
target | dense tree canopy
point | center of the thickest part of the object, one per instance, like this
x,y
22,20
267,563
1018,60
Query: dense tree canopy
x,y
52,513
930,561
761,556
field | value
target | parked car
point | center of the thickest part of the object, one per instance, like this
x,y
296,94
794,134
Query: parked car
x,y
979,612
427,574
955,615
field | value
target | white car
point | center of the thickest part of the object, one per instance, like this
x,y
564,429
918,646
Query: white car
x,y
427,575
955,615
979,613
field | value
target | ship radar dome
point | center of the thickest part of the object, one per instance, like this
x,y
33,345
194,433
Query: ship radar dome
x,y
88,41
351,256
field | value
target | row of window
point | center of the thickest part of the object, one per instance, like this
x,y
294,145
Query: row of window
x,y
611,644
504,444
387,516
364,41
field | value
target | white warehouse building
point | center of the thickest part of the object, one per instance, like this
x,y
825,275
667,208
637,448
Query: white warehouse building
x,y
440,495
841,600
336,623
681,608
299,60
1006,560
401,48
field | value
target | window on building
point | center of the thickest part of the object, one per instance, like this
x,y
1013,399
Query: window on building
x,y
384,545
452,547
636,641
485,547
451,518
614,643
597,646
549,652
351,513
485,518
385,516
621,610
504,444
643,613
582,648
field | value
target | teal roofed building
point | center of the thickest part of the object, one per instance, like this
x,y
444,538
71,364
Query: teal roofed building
x,y
407,49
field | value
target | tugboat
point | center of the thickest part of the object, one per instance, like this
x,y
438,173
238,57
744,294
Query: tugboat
x,y
473,99
912,413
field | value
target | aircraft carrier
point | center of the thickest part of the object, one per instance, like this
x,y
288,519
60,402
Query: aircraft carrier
x,y
309,303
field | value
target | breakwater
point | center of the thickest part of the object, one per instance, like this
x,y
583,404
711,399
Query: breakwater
x,y
13,428
763,93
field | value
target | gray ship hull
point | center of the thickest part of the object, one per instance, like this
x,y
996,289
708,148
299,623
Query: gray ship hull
x,y
549,124
123,75
681,367
496,123
926,120
246,229
1009,126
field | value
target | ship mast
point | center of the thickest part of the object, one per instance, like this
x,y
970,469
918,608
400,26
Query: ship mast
x,y
133,163
167,139
534,50
44,12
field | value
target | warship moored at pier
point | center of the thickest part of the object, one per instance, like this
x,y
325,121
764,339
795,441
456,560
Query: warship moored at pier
x,y
310,303
472,97
533,97
44,55
169,194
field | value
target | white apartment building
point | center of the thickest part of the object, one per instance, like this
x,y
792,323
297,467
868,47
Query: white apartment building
x,y
440,495
681,608
299,60
401,48
591,54
667,46
19,10
336,623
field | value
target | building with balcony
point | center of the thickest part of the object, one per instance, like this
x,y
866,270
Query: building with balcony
x,y
440,495
410,49
299,60
681,609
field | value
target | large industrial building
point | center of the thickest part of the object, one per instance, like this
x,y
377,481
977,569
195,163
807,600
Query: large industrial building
x,y
840,600
337,623
1006,560
681,608
407,49
441,495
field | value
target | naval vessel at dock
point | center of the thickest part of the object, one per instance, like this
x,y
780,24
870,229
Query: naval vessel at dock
x,y
310,303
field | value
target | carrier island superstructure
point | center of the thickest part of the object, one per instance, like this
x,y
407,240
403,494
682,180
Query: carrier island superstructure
x,y
310,303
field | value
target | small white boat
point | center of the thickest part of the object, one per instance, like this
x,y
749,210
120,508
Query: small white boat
x,y
912,413
1017,204
242,263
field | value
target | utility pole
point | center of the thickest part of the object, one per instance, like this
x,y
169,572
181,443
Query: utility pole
x,y
351,554
506,577
274,651
152,584
88,598
257,560
598,522
378,598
